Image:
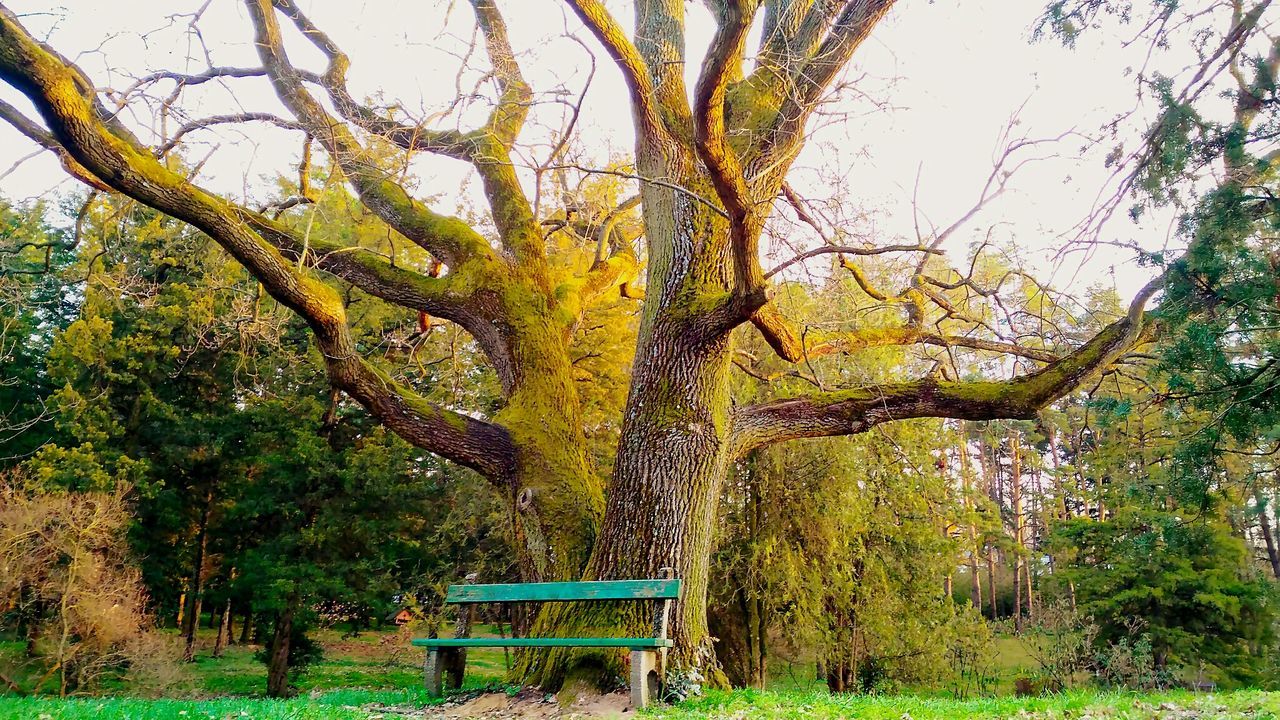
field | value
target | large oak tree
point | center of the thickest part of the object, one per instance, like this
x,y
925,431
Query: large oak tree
x,y
709,161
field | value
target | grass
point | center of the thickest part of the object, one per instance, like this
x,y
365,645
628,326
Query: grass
x,y
742,704
737,705
361,674
335,705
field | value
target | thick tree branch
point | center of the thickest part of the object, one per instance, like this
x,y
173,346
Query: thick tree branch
x,y
487,148
812,75
449,239
712,143
852,411
792,31
635,72
64,100
44,139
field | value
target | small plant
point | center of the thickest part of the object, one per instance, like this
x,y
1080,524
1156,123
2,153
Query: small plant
x,y
1130,663
680,686
974,664
1061,642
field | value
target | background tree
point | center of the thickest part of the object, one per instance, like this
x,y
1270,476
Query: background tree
x,y
35,301
247,477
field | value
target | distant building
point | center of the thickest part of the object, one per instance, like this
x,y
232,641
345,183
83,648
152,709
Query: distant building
x,y
403,616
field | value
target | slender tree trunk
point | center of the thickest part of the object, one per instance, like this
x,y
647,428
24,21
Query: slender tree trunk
x,y
246,626
34,615
1063,509
739,618
1077,451
1268,538
966,474
278,658
1015,476
991,582
224,630
197,583
231,622
990,484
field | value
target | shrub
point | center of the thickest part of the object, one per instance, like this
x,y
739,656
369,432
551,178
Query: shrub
x,y
75,596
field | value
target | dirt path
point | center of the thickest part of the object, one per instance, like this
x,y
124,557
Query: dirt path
x,y
525,705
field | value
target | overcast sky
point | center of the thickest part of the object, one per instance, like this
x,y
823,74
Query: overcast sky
x,y
951,73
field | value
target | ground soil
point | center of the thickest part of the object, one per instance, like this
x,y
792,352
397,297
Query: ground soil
x,y
525,705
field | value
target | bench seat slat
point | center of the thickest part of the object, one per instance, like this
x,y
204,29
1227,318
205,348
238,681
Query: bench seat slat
x,y
633,643
565,591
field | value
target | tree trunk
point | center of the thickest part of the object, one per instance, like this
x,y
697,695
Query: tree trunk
x,y
966,475
989,482
1063,511
278,659
192,619
33,617
1019,550
557,499
736,623
673,451
1264,525
246,626
736,615
224,630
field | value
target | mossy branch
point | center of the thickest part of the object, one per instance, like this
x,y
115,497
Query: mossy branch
x,y
66,102
852,411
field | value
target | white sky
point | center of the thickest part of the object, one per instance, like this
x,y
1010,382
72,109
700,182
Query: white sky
x,y
959,69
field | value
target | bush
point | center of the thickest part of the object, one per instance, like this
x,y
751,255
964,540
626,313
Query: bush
x,y
1061,642
1130,663
75,596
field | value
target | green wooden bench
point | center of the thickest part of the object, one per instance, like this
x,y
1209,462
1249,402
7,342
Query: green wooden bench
x,y
447,655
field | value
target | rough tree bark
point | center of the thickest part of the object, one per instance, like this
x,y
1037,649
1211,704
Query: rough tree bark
x,y
278,654
223,637
710,163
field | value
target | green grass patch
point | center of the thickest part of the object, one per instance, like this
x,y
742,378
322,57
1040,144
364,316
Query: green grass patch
x,y
744,704
340,705
737,705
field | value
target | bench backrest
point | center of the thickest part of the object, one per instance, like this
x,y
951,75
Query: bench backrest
x,y
565,591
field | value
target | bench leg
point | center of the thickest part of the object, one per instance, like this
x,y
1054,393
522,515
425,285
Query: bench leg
x,y
644,678
454,661
431,673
